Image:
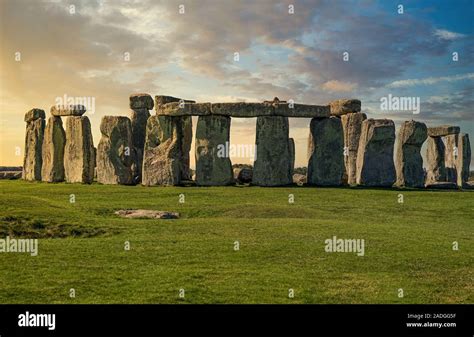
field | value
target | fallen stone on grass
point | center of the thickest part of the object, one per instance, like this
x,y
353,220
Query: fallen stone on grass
x,y
146,214
442,185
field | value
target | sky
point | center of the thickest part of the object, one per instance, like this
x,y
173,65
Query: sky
x,y
236,50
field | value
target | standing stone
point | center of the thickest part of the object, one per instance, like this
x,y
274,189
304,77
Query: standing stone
x,y
138,118
352,126
272,166
53,151
140,104
186,140
79,150
451,143
435,169
33,160
463,160
326,162
292,155
213,166
409,163
186,125
375,165
162,151
115,151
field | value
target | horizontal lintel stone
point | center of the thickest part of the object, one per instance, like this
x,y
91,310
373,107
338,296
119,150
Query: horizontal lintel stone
x,y
443,130
242,109
68,110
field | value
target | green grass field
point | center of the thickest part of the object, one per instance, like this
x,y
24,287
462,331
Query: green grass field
x,y
407,245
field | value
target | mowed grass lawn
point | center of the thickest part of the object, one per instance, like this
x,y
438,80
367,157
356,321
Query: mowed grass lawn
x,y
407,245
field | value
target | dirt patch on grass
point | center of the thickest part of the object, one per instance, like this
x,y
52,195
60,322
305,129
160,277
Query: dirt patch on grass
x,y
37,229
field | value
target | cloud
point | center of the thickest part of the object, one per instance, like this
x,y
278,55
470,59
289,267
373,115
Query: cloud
x,y
339,86
447,35
430,80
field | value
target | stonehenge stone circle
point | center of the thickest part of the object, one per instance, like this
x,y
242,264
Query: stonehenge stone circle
x,y
115,151
272,166
79,151
53,151
213,166
33,160
435,169
343,145
162,151
375,166
140,104
463,160
326,162
343,106
408,162
352,126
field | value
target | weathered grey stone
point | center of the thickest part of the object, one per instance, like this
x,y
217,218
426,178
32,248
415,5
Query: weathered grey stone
x,y
441,185
162,151
344,106
443,130
53,151
213,166
68,110
352,126
141,101
161,100
174,106
114,152
375,166
186,140
184,109
33,160
299,179
301,110
272,166
34,114
408,162
463,160
11,175
11,168
79,151
326,162
242,109
435,169
292,154
451,144
243,175
138,119
146,214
